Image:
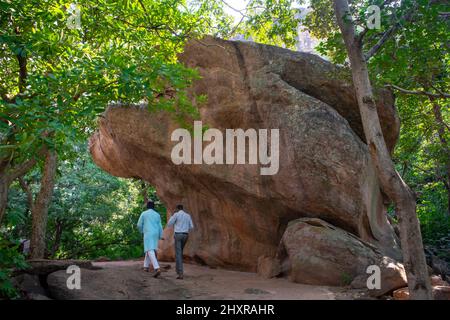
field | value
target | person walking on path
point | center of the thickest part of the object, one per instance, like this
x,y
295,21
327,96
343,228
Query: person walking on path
x,y
149,224
182,224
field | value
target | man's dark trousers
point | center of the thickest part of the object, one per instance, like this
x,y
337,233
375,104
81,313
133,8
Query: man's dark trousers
x,y
180,241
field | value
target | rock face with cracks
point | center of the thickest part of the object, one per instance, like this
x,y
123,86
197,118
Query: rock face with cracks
x,y
325,170
315,252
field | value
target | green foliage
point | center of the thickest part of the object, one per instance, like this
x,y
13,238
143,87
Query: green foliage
x,y
346,279
10,259
416,58
55,81
92,214
126,52
421,159
271,22
431,210
265,21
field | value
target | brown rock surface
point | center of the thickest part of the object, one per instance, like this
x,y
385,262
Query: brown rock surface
x,y
325,169
319,253
268,267
125,280
401,294
46,266
439,293
30,287
437,281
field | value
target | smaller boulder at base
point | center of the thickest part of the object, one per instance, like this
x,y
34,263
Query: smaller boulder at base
x,y
439,293
318,253
268,267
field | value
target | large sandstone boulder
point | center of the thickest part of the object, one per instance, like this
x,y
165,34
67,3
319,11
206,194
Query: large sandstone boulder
x,y
325,169
315,252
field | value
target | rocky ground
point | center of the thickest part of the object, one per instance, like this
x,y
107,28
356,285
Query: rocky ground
x,y
122,280
126,280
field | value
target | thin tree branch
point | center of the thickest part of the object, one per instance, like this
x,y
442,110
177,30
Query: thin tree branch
x,y
22,169
26,166
26,188
237,10
22,61
23,73
381,42
386,35
364,32
148,28
4,95
360,36
77,95
439,90
419,92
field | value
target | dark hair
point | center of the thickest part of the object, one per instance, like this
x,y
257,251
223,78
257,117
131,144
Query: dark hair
x,y
150,205
179,207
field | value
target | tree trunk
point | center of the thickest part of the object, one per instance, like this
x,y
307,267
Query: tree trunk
x,y
7,175
391,182
144,190
441,132
41,205
4,187
58,234
26,188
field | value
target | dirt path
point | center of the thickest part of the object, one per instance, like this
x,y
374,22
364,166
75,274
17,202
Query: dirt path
x,y
126,280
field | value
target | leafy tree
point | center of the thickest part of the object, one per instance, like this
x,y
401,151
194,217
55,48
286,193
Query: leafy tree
x,y
265,21
410,55
92,214
54,80
10,259
409,29
391,182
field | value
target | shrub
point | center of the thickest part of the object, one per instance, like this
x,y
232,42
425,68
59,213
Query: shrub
x,y
10,259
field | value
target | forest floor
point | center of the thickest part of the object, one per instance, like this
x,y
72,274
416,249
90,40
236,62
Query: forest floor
x,y
126,280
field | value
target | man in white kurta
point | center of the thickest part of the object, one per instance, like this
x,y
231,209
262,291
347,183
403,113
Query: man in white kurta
x,y
150,225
